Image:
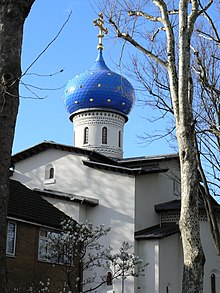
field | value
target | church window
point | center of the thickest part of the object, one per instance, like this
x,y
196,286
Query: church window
x,y
104,135
109,279
213,283
49,174
119,139
11,238
86,135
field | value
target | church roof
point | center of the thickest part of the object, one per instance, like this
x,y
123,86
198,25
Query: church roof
x,y
83,200
125,170
97,161
28,205
99,88
157,231
45,145
142,161
175,205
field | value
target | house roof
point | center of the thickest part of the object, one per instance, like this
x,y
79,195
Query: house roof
x,y
27,205
158,231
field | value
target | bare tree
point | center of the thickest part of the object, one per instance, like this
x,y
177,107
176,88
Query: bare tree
x,y
80,254
162,31
12,18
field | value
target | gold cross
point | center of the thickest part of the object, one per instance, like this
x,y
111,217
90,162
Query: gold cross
x,y
99,23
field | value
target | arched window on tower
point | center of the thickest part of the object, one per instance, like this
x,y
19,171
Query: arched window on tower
x,y
49,174
119,139
104,135
213,283
86,135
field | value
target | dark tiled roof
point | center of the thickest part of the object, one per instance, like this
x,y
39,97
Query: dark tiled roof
x,y
158,231
122,169
83,200
98,161
27,205
175,205
150,161
43,146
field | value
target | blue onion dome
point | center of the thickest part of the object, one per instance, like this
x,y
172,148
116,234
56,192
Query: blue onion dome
x,y
99,88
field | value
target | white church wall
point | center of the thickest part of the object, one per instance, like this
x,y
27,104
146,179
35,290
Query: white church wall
x,y
212,264
114,191
71,209
171,260
152,189
149,252
95,121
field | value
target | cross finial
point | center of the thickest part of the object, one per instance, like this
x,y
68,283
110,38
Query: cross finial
x,y
99,23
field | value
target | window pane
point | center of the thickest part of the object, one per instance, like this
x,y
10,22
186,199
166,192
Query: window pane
x,y
11,238
104,135
44,252
86,135
42,249
119,139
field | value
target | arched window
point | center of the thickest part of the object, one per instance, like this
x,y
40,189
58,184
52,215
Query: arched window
x,y
119,139
109,279
104,135
213,283
49,174
86,135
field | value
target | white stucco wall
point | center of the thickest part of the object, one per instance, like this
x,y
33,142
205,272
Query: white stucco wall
x,y
114,191
95,121
152,189
148,251
212,264
171,263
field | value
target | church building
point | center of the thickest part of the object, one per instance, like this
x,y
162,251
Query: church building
x,y
139,198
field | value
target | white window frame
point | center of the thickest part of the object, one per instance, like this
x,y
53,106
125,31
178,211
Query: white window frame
x,y
105,133
42,255
44,238
47,178
86,135
119,139
11,253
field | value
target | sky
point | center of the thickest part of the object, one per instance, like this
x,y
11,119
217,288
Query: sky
x,y
42,115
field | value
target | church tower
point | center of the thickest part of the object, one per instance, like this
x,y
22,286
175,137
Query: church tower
x,y
99,101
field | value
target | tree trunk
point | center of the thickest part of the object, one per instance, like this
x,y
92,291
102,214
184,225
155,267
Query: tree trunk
x,y
194,259
12,17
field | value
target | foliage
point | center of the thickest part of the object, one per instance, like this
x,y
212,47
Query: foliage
x,y
81,255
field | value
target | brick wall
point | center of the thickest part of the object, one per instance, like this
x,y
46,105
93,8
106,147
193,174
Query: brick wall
x,y
24,269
